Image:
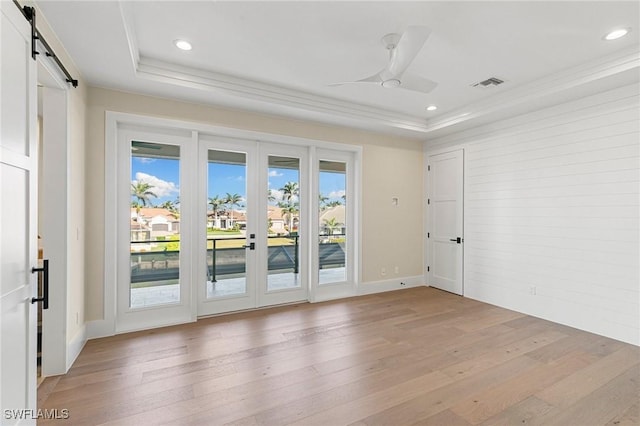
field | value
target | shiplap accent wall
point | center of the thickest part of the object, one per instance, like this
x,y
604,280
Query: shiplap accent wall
x,y
552,213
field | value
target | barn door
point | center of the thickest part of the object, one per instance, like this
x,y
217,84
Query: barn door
x,y
18,220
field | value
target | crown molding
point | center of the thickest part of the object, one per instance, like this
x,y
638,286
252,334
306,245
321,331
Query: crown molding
x,y
501,105
554,84
166,72
132,42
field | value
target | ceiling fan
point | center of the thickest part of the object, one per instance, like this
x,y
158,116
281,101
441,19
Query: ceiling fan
x,y
403,48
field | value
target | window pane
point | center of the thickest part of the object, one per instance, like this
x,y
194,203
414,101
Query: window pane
x,y
155,224
226,224
283,215
332,236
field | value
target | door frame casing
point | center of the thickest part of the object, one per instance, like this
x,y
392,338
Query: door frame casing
x,y
57,354
116,120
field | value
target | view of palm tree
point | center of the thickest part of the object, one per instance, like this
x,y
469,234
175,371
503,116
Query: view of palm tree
x,y
142,191
331,224
290,206
216,204
232,200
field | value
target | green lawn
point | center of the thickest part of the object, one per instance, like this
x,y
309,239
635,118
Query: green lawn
x,y
222,232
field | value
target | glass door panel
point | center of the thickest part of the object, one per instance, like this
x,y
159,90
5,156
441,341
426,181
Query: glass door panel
x,y
226,224
154,227
283,222
153,247
332,214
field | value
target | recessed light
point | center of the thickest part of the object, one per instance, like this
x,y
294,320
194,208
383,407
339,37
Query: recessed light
x,y
617,33
182,44
432,108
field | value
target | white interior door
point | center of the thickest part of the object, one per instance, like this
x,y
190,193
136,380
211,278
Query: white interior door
x,y
445,221
18,220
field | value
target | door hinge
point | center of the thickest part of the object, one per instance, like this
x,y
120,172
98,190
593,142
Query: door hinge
x,y
429,168
428,268
428,234
428,201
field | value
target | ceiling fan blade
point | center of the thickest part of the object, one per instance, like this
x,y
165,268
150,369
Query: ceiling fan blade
x,y
376,78
417,83
407,49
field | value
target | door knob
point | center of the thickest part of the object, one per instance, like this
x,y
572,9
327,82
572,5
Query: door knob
x,y
457,240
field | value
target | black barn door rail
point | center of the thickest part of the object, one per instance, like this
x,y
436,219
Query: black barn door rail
x,y
30,15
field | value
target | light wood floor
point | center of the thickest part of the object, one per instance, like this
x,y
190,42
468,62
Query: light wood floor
x,y
417,356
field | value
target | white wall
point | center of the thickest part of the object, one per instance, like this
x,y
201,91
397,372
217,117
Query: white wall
x,y
551,207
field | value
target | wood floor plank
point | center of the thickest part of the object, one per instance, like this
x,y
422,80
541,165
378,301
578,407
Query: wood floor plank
x,y
413,401
501,354
418,356
446,417
524,412
602,405
567,391
631,417
488,403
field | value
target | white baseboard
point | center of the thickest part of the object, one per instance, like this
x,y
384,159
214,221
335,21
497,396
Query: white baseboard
x,y
75,345
103,328
100,328
400,283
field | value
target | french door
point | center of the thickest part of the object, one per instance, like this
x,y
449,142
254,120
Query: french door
x,y
253,227
155,234
206,224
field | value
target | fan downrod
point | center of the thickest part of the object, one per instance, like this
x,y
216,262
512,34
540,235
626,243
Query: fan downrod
x,y
390,41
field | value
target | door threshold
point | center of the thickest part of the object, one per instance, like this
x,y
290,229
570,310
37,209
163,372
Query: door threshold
x,y
260,308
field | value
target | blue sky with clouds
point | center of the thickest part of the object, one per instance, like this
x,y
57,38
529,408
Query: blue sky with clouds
x,y
164,176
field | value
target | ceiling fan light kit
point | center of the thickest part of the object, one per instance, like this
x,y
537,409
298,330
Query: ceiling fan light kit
x,y
391,83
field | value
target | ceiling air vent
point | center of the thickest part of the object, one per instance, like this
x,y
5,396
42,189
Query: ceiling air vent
x,y
490,82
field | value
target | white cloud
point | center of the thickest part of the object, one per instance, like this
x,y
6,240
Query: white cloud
x,y
161,188
337,194
145,160
277,194
274,173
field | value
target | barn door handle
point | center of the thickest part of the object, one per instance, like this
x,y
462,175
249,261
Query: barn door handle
x,y
45,284
250,246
